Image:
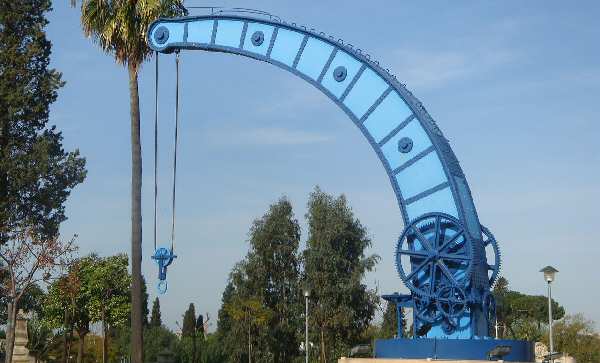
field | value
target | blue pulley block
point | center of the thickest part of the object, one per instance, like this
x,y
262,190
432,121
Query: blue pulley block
x,y
163,257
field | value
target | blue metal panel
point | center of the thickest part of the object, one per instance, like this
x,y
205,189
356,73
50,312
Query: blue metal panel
x,y
365,92
441,201
267,31
421,142
200,32
341,59
286,46
229,33
425,173
390,113
314,57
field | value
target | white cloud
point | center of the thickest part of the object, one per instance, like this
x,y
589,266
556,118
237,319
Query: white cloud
x,y
435,69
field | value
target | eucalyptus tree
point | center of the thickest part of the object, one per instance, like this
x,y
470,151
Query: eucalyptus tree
x,y
119,28
273,270
263,298
335,263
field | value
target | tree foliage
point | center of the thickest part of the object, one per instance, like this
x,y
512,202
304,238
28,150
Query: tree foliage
x,y
109,289
31,302
36,173
575,336
155,318
522,316
95,289
335,266
189,321
261,309
389,325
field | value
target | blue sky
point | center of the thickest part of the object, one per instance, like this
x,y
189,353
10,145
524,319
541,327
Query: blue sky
x,y
515,86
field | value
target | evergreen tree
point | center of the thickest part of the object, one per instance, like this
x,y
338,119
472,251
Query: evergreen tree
x,y
145,298
189,322
155,318
335,266
36,173
273,274
389,325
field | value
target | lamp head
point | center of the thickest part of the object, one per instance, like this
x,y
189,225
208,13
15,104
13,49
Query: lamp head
x,y
306,293
549,273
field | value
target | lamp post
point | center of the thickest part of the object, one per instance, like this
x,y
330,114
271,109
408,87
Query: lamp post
x,y
549,273
306,296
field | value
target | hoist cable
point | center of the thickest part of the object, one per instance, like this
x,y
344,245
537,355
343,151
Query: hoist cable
x,y
175,148
155,148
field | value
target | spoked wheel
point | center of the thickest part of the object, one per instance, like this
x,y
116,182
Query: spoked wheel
x,y
434,251
426,310
451,302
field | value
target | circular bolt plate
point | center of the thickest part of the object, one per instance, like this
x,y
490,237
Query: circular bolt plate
x,y
161,35
340,73
405,145
258,38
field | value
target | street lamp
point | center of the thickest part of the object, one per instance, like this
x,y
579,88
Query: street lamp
x,y
306,296
549,273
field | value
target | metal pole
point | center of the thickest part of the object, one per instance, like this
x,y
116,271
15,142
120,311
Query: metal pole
x,y
550,320
496,326
306,329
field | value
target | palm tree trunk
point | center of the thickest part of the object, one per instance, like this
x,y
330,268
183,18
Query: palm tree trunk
x,y
136,219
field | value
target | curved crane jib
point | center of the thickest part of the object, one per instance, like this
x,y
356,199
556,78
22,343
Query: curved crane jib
x,y
441,256
414,153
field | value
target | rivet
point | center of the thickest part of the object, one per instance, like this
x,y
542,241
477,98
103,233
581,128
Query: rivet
x,y
405,145
340,73
258,38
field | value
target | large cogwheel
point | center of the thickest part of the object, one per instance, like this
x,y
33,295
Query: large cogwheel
x,y
434,251
489,242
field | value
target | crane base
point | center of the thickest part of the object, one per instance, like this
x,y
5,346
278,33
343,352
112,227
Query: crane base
x,y
455,349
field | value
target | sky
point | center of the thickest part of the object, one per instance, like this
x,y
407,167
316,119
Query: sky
x,y
515,87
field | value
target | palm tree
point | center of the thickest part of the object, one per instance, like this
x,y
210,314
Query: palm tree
x,y
119,28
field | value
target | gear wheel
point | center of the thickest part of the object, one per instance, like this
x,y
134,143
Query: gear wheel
x,y
449,325
433,251
451,302
489,242
426,310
